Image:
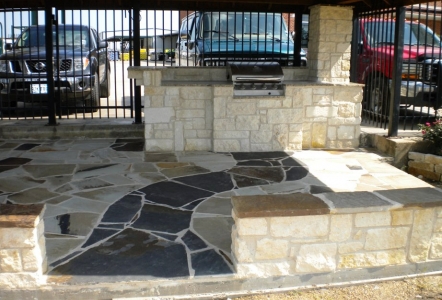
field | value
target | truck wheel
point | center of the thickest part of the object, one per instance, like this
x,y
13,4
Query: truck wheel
x,y
105,87
378,96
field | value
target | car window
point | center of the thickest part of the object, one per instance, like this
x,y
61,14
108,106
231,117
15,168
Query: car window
x,y
184,30
237,24
191,27
68,37
381,33
31,37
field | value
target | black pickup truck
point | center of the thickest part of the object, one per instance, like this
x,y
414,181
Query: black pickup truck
x,y
80,64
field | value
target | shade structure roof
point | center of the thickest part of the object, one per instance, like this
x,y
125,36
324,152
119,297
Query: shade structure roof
x,y
212,5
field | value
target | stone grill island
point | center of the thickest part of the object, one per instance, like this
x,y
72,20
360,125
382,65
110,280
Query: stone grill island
x,y
194,108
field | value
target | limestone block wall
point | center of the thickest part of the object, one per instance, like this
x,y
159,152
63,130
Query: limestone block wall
x,y
193,109
22,246
329,49
310,243
331,116
428,166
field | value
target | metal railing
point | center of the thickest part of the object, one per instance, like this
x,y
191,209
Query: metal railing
x,y
85,76
397,53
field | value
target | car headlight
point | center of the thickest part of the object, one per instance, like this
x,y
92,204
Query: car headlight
x,y
4,66
81,63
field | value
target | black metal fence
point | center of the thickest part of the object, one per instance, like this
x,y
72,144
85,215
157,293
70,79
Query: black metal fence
x,y
397,53
85,76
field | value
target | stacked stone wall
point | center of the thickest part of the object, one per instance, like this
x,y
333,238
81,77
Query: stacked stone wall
x,y
192,116
296,245
22,246
428,166
330,43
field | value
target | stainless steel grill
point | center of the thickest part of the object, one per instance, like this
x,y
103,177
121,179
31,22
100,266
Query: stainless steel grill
x,y
256,78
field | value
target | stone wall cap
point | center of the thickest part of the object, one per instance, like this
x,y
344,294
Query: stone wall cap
x,y
297,204
414,197
20,216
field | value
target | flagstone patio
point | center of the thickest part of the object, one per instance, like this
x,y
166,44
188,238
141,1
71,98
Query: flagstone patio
x,y
115,213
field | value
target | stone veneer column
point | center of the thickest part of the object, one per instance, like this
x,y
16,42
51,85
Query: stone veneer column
x,y
22,246
330,43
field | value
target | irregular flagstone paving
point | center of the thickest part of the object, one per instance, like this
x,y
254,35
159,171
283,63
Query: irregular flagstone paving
x,y
112,210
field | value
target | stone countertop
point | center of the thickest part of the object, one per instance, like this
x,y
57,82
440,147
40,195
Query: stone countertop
x,y
22,216
301,204
298,204
229,83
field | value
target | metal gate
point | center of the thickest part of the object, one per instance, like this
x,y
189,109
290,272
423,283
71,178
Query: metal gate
x,y
92,50
397,53
86,74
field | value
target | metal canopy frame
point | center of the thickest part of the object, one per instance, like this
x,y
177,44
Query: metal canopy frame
x,y
219,5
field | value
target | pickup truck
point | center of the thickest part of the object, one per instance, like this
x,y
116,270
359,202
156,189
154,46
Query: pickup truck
x,y
214,38
80,64
421,64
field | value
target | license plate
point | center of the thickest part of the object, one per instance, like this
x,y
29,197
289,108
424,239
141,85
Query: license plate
x,y
39,88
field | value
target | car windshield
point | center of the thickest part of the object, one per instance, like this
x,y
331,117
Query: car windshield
x,y
379,33
69,37
240,26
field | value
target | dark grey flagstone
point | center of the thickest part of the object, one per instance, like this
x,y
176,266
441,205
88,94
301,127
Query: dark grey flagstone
x,y
67,257
27,146
7,168
317,189
170,237
275,174
258,155
111,226
163,219
192,205
356,199
242,181
130,140
216,181
254,163
414,197
123,210
209,263
173,194
130,252
14,161
290,162
97,167
295,173
193,242
136,145
275,163
97,235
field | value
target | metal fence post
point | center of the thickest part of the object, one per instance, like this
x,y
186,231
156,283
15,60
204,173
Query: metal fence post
x,y
137,62
439,88
395,97
50,67
298,37
354,50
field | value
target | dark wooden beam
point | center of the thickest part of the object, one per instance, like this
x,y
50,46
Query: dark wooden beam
x,y
214,5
